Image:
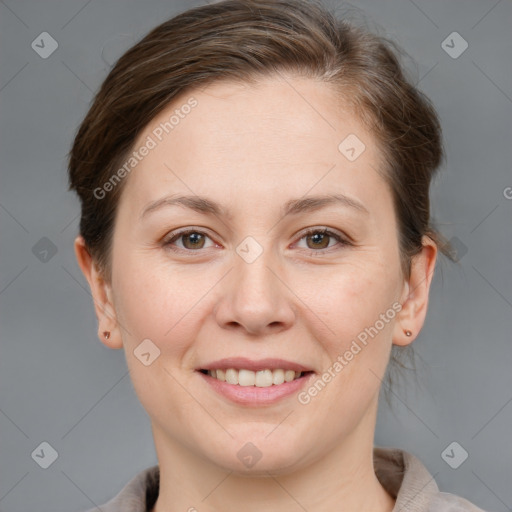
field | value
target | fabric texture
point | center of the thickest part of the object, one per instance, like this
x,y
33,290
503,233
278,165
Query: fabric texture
x,y
399,472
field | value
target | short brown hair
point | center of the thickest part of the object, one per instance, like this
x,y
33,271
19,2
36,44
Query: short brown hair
x,y
243,40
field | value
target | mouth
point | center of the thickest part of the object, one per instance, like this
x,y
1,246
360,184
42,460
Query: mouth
x,y
255,383
260,379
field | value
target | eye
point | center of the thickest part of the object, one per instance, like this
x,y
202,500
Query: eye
x,y
192,239
319,239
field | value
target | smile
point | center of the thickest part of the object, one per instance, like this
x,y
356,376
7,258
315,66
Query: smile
x,y
261,379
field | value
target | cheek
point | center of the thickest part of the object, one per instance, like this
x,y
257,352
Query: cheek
x,y
151,302
353,297
154,304
165,304
359,307
357,355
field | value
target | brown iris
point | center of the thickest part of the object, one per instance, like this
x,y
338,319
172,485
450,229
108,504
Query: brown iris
x,y
196,240
321,240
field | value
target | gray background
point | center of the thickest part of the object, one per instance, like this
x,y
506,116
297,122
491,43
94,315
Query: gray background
x,y
61,385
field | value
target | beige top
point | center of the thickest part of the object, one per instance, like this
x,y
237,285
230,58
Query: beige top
x,y
400,473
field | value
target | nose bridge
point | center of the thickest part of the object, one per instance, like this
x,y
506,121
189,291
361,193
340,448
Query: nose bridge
x,y
255,299
254,279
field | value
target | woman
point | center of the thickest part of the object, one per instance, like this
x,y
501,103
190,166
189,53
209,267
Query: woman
x,y
254,181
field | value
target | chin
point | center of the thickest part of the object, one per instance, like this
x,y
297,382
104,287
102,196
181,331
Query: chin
x,y
260,467
256,455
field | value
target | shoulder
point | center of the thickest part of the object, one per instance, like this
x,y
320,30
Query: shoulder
x,y
138,495
406,479
446,502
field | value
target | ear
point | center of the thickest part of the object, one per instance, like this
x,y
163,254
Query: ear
x,y
415,294
101,295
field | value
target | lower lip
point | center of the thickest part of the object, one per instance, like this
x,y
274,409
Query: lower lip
x,y
254,396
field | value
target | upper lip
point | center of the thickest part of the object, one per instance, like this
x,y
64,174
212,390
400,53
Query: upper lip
x,y
254,364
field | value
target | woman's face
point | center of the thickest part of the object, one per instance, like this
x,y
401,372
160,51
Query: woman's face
x,y
247,288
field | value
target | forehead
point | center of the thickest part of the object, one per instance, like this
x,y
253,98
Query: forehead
x,y
232,140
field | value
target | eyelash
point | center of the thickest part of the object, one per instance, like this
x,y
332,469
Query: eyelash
x,y
176,235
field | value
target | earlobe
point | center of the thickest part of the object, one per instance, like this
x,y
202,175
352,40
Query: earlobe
x,y
101,295
415,295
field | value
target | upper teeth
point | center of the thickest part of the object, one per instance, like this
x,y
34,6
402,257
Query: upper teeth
x,y
261,378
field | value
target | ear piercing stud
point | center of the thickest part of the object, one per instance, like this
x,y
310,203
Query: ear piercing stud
x,y
106,334
408,333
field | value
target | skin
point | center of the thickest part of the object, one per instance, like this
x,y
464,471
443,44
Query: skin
x,y
251,149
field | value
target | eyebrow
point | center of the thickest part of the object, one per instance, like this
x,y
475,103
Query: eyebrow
x,y
291,207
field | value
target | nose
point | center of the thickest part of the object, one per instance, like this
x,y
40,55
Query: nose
x,y
256,299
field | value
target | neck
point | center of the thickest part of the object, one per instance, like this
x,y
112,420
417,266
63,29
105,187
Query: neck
x,y
343,479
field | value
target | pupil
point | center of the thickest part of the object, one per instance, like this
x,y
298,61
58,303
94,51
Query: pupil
x,y
318,238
